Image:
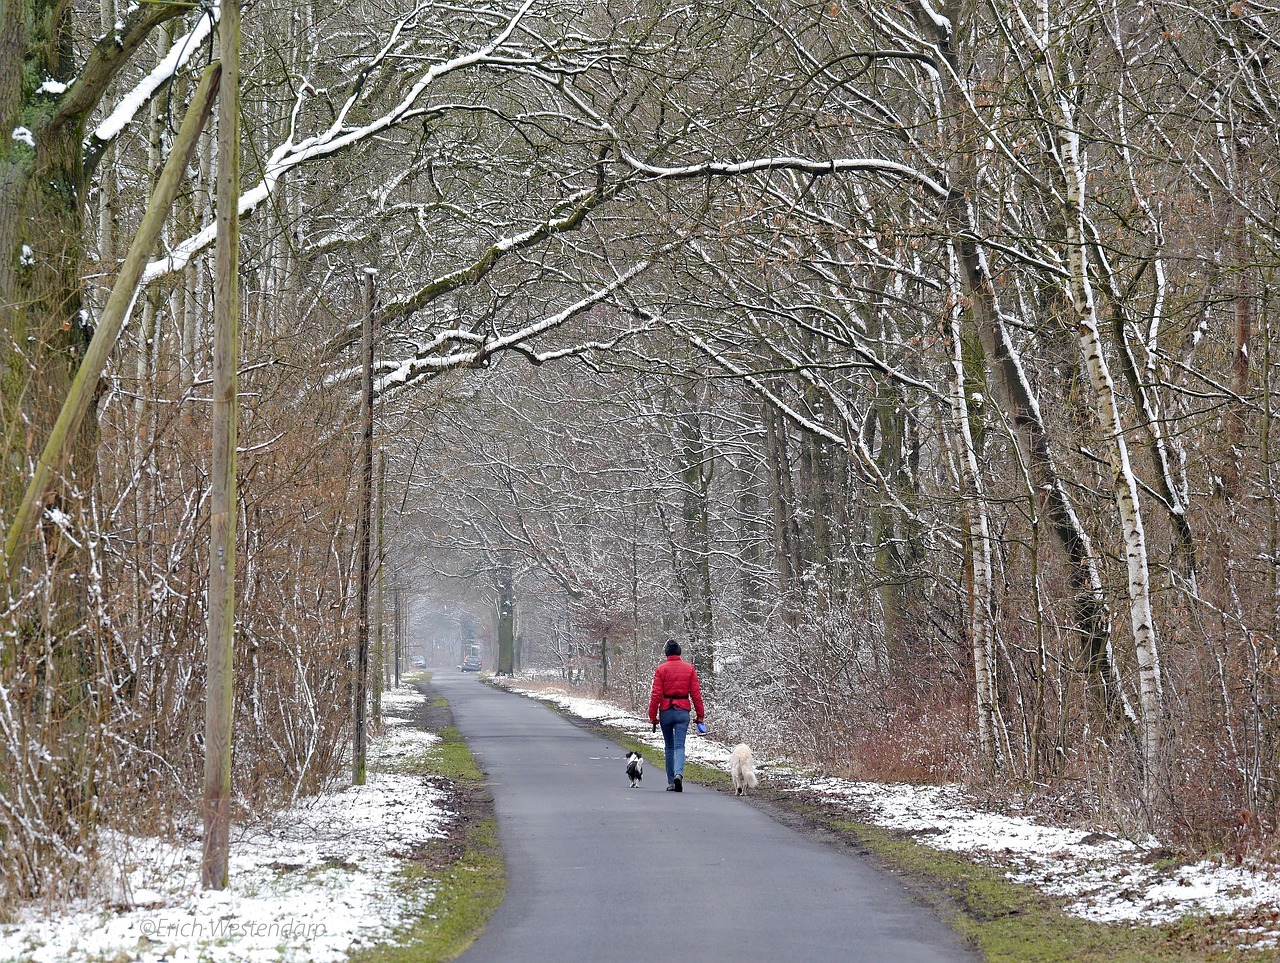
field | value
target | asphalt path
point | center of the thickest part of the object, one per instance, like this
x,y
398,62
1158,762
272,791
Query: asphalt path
x,y
597,871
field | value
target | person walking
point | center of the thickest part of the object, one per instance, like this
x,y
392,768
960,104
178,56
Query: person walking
x,y
675,693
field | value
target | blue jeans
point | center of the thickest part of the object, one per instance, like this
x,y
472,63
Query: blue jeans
x,y
675,723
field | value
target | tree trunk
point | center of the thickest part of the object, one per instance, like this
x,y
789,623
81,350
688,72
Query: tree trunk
x,y
1124,483
890,565
978,545
786,549
695,464
399,623
359,756
381,668
750,542
506,621
1013,392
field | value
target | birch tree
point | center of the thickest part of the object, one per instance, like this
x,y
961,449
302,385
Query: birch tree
x,y
1055,78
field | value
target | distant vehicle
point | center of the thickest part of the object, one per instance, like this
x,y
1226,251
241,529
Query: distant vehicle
x,y
471,664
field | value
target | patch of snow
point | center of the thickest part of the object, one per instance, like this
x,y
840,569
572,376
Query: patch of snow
x,y
52,87
402,698
58,517
28,257
24,136
1146,894
940,23
310,884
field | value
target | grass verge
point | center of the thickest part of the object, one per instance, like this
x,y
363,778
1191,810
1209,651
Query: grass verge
x,y
1010,923
465,871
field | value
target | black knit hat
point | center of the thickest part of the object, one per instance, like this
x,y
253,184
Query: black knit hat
x,y
673,647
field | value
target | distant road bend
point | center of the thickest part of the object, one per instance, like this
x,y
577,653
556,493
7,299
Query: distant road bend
x,y
600,872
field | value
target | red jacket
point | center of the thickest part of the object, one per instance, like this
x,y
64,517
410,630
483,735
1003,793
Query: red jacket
x,y
675,684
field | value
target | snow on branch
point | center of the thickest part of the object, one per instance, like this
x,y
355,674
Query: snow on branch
x,y
807,165
940,23
869,359
338,137
836,165
426,362
580,204
179,55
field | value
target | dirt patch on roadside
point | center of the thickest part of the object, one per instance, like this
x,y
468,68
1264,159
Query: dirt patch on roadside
x,y
433,713
463,867
469,803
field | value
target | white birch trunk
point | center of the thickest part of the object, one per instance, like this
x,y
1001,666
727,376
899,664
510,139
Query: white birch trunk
x,y
1125,486
1010,383
979,548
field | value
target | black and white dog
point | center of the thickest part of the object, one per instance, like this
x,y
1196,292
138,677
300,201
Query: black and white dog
x,y
635,768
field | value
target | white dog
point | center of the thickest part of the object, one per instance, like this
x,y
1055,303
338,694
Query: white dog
x,y
742,767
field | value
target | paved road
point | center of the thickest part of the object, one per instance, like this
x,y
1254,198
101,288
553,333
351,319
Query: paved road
x,y
600,872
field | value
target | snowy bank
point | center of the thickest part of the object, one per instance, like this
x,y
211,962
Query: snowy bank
x,y
313,884
1096,876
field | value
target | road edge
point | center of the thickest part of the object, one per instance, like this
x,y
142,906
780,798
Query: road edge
x,y
465,869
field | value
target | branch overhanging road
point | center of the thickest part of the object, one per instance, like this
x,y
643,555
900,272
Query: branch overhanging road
x,y
600,872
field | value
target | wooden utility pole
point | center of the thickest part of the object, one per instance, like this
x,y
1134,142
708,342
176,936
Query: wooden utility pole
x,y
359,755
604,661
381,671
399,624
219,696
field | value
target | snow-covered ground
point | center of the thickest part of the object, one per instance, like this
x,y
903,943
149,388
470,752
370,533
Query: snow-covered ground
x,y
312,885
1096,875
